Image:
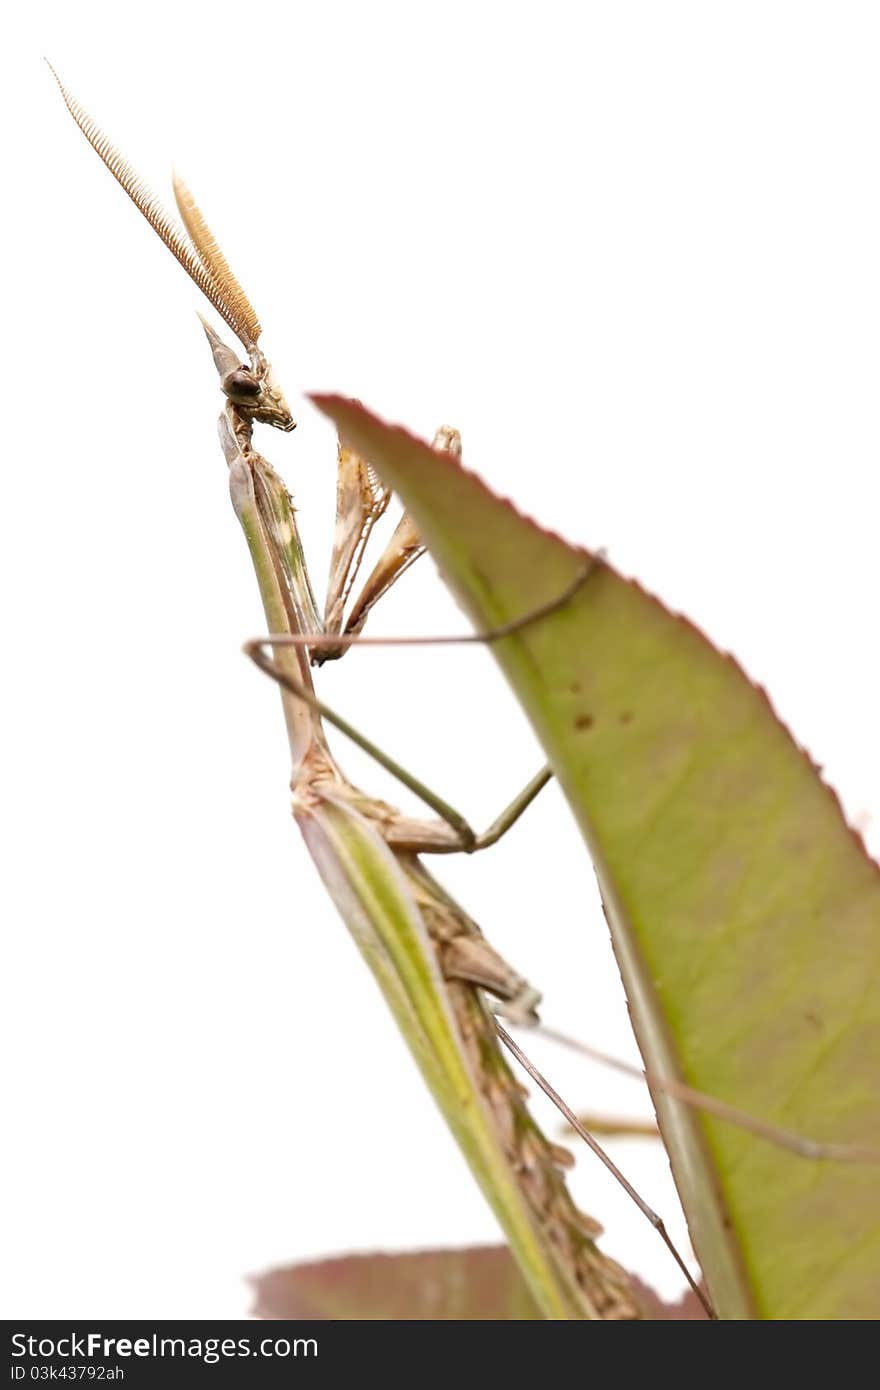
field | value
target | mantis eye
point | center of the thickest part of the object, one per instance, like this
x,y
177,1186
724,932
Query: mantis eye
x,y
241,383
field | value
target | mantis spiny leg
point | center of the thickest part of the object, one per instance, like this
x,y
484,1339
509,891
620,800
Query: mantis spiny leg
x,y
361,500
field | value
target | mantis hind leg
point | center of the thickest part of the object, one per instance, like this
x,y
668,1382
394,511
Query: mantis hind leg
x,y
455,834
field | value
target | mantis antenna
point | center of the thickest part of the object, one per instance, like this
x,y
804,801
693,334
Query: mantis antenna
x,y
201,258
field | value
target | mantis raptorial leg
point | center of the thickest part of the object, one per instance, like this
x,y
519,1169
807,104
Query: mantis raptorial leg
x,y
361,499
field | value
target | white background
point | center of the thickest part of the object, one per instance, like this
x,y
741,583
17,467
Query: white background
x,y
631,251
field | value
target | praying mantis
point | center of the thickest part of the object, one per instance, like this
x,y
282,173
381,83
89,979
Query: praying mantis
x,y
431,961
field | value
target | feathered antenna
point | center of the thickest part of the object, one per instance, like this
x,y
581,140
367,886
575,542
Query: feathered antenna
x,y
214,260
211,274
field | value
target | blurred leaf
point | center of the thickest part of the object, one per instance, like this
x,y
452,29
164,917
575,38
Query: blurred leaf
x,y
745,914
482,1284
616,1127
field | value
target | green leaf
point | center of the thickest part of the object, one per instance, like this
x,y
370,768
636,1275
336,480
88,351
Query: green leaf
x,y
482,1284
744,912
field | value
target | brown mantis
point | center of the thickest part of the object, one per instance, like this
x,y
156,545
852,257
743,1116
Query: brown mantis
x,y
431,961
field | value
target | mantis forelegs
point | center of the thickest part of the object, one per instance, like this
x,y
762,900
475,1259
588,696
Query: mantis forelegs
x,y
361,499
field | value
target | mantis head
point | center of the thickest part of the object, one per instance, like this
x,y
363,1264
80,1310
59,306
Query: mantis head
x,y
250,386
